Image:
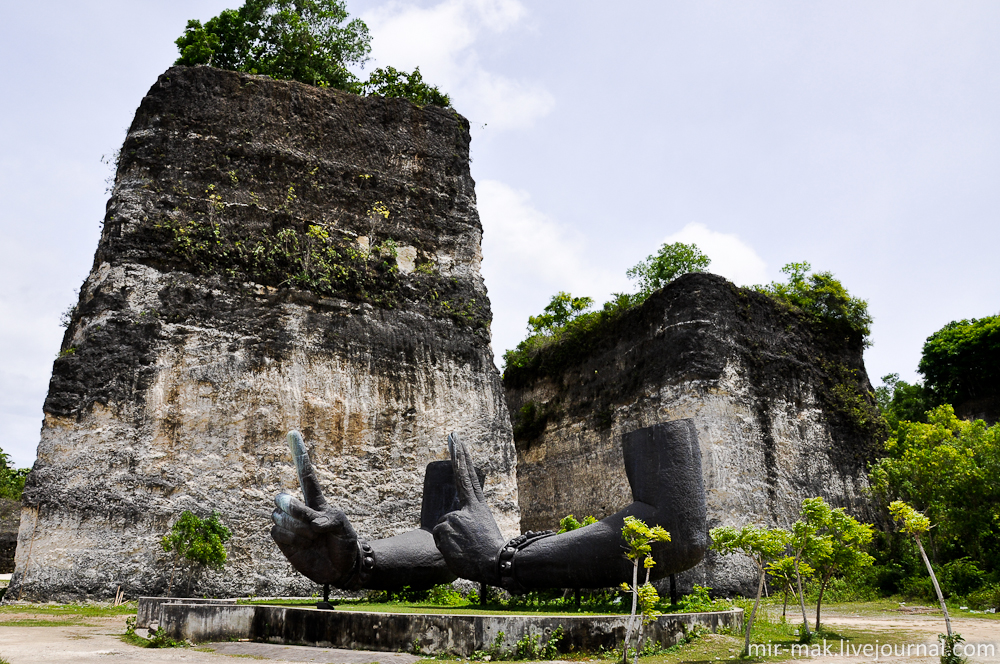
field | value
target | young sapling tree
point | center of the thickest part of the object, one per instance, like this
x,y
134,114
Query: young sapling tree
x,y
639,539
200,541
843,553
916,524
787,572
760,545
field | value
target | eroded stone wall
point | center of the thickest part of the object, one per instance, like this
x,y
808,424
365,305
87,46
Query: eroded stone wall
x,y
274,256
782,408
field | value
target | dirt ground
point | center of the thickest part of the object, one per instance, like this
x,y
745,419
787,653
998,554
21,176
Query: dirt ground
x,y
96,640
917,629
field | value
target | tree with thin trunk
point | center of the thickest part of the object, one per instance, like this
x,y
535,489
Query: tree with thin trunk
x,y
846,538
916,524
805,542
639,538
201,542
786,575
760,545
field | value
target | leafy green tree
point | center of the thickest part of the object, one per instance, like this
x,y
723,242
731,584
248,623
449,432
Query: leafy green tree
x,y
11,479
311,41
389,82
807,543
823,299
303,40
639,539
845,538
562,309
199,541
786,572
961,361
668,263
948,469
899,401
760,545
916,524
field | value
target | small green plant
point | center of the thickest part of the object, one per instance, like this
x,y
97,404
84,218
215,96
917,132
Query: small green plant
x,y
569,522
528,647
949,642
201,542
639,539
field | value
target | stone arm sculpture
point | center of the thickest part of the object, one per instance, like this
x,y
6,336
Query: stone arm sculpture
x,y
663,465
320,542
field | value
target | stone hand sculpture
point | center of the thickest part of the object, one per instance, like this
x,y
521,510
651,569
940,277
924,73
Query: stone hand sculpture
x,y
663,465
320,542
469,537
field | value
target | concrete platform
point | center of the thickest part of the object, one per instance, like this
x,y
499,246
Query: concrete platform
x,y
428,634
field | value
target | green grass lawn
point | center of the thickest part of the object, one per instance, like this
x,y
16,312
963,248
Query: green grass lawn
x,y
79,611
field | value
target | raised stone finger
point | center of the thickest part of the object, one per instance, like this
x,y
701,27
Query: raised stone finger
x,y
473,475
462,469
311,491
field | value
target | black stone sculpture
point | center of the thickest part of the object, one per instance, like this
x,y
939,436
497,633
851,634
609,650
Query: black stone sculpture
x,y
320,542
458,535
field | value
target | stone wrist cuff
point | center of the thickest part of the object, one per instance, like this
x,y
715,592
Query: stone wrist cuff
x,y
505,559
363,567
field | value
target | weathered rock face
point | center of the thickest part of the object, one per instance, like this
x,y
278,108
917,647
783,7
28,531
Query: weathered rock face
x,y
274,256
783,410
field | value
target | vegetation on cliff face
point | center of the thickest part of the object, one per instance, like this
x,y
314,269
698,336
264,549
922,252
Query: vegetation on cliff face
x,y
822,300
566,327
311,258
303,40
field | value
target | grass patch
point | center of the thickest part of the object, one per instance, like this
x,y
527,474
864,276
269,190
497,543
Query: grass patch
x,y
42,622
82,610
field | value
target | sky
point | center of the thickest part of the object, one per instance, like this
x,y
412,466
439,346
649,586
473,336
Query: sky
x,y
862,137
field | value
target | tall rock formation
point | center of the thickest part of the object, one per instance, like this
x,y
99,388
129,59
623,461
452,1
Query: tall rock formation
x,y
274,256
783,408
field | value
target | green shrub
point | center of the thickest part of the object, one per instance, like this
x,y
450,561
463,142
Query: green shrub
x,y
445,595
11,479
961,576
986,598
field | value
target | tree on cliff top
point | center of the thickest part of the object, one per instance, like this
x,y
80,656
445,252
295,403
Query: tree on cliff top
x,y
823,299
668,263
961,361
304,40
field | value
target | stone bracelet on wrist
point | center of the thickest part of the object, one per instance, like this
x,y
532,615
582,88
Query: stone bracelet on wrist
x,y
505,559
363,567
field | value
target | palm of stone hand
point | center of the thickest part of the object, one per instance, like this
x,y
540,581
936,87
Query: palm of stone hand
x,y
316,538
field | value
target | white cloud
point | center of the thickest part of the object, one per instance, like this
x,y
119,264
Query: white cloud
x,y
731,257
441,40
527,258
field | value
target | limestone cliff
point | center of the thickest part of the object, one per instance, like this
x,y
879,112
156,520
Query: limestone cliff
x,y
783,409
274,256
